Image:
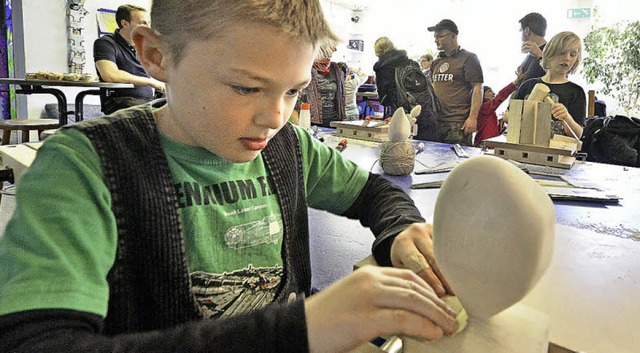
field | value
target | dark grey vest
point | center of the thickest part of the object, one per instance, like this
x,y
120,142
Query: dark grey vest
x,y
149,283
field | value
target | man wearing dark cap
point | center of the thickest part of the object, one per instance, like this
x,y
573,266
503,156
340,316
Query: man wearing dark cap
x,y
533,27
457,80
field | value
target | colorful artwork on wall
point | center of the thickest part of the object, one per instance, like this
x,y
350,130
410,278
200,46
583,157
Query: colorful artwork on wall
x,y
75,20
106,21
7,93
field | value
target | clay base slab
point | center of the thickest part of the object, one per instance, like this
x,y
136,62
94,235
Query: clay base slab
x,y
518,329
590,292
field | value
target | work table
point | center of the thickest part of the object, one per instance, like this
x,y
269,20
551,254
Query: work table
x,y
591,288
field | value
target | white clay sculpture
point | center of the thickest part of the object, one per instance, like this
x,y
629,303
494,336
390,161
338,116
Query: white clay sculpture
x,y
493,236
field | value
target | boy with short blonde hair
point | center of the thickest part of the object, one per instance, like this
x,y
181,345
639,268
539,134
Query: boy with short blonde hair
x,y
561,57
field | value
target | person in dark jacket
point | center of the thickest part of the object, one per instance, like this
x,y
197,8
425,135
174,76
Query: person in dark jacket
x,y
181,225
389,60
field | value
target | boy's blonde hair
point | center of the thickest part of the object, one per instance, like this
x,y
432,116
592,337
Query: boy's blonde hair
x,y
383,45
183,21
557,44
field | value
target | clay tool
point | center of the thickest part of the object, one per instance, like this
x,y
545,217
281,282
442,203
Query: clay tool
x,y
392,345
428,185
461,153
420,147
437,169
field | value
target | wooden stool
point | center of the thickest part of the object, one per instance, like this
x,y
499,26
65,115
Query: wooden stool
x,y
26,125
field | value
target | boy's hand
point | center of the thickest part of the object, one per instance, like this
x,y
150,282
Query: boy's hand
x,y
371,302
413,249
560,112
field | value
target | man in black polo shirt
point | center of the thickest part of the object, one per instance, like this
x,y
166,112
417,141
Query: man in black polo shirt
x,y
117,61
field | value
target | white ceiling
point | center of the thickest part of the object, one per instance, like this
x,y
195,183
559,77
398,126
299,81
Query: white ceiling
x,y
369,4
356,4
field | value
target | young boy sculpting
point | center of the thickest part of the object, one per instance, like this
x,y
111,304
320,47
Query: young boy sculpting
x,y
181,225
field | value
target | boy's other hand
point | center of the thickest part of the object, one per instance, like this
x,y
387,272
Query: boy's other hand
x,y
559,112
375,301
413,249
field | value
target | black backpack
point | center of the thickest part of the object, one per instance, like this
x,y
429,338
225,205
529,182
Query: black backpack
x,y
413,88
612,140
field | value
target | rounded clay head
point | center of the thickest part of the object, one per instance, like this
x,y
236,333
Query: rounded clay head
x,y
399,127
493,234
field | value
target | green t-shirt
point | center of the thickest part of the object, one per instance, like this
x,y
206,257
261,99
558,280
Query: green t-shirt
x,y
61,242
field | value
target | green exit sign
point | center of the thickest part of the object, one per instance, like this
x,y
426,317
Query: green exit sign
x,y
584,12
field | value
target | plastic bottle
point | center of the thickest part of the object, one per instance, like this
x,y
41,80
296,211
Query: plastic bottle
x,y
304,119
